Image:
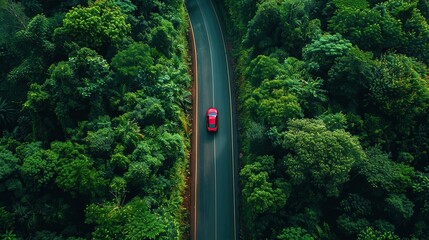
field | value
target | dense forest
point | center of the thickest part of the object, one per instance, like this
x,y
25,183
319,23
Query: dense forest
x,y
332,99
94,109
333,102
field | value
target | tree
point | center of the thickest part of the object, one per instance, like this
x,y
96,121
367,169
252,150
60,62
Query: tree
x,y
400,87
272,103
264,30
35,38
39,169
128,132
351,226
6,113
382,173
75,90
279,108
33,52
316,155
154,156
423,6
369,233
399,95
119,161
259,143
101,23
299,82
118,188
76,174
262,68
368,28
146,8
143,109
6,219
334,121
100,142
294,233
241,12
162,37
349,78
415,29
130,63
297,27
143,223
321,53
126,6
356,206
8,164
9,235
356,212
131,222
146,160
14,15
261,195
399,207
80,178
344,4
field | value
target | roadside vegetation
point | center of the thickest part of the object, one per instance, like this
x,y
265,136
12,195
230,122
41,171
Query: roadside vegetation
x,y
333,106
94,105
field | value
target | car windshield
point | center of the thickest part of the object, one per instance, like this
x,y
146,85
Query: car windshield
x,y
212,114
212,125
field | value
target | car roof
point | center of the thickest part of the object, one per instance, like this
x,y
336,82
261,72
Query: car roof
x,y
212,120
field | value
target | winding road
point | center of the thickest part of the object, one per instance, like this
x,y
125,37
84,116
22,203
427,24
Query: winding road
x,y
214,196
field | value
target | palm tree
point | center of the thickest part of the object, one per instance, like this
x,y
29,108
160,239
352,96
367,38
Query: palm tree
x,y
6,113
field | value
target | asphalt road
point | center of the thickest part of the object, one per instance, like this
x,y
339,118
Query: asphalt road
x,y
215,214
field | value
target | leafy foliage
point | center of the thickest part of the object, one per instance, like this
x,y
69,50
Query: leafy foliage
x,y
317,155
76,87
294,233
94,131
130,63
6,113
359,68
132,221
94,26
321,53
383,173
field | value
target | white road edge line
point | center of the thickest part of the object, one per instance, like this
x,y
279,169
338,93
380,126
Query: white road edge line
x,y
196,128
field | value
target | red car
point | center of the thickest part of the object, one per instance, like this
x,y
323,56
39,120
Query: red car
x,y
212,120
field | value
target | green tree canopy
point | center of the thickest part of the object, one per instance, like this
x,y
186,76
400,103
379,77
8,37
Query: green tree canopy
x,y
262,194
400,89
76,172
263,68
381,172
294,233
131,222
321,53
162,37
101,23
318,156
264,30
369,29
39,168
349,77
369,233
130,63
75,88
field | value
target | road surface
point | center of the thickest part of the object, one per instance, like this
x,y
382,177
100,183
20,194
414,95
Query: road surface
x,y
215,214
